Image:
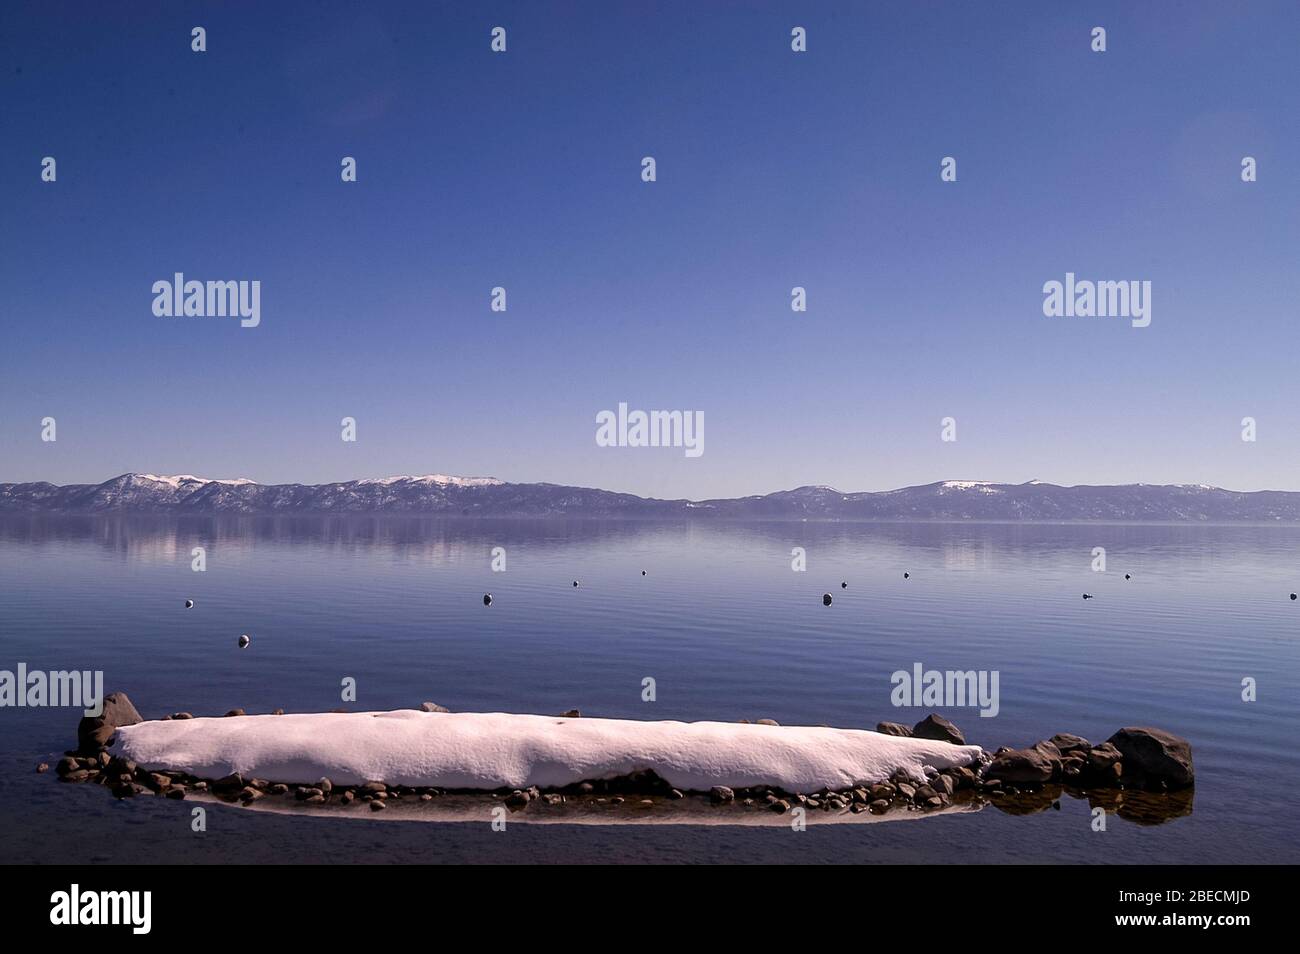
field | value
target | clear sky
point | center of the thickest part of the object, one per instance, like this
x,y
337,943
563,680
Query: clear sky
x,y
775,169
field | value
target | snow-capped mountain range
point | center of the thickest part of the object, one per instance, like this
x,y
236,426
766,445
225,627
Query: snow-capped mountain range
x,y
441,495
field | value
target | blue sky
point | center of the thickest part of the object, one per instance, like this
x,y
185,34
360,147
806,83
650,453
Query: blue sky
x,y
775,169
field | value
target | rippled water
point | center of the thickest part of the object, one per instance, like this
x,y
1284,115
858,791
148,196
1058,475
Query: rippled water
x,y
721,623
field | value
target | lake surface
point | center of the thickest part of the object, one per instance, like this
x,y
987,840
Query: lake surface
x,y
720,621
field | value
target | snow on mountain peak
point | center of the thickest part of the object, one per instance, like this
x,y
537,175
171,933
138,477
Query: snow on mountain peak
x,y
442,480
177,480
983,486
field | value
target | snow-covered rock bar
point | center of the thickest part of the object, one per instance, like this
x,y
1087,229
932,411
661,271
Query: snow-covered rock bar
x,y
486,751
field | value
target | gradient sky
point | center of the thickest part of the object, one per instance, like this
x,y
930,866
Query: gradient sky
x,y
775,169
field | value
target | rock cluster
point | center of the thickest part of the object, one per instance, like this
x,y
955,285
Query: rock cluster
x,y
1135,757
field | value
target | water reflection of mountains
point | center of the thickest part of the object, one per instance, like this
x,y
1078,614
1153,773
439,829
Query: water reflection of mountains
x,y
950,545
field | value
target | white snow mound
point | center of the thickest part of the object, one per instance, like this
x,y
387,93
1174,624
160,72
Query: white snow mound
x,y
482,750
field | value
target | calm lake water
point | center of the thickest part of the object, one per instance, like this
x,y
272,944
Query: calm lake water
x,y
722,624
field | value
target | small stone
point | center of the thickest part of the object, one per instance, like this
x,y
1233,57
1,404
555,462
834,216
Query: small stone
x,y
617,800
432,707
229,783
936,727
894,728
879,805
377,805
314,800
235,712
674,794
882,790
42,767
347,797
426,797
372,787
517,799
279,788
766,722
176,792
721,795
571,714
907,791
182,715
1067,743
780,805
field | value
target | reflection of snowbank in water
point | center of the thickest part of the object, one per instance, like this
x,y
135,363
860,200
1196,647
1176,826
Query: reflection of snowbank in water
x,y
467,750
693,810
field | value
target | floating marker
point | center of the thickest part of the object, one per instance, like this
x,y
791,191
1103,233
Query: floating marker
x,y
189,604
844,586
1292,596
1127,576
826,599
643,572
487,599
575,582
1087,596
907,576
244,641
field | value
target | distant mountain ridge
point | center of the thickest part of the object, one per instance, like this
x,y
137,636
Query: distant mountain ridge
x,y
442,495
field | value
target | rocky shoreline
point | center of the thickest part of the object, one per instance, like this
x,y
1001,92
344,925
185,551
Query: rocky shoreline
x,y
1147,769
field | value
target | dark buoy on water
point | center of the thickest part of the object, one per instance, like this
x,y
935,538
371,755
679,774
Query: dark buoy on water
x,y
244,641
1087,596
189,604
487,599
576,583
1127,576
826,599
844,586
1292,596
906,575
643,572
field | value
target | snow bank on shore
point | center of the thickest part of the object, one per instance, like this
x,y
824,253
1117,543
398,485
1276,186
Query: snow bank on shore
x,y
499,750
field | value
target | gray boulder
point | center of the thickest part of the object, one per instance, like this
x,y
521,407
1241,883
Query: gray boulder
x,y
1153,755
95,732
